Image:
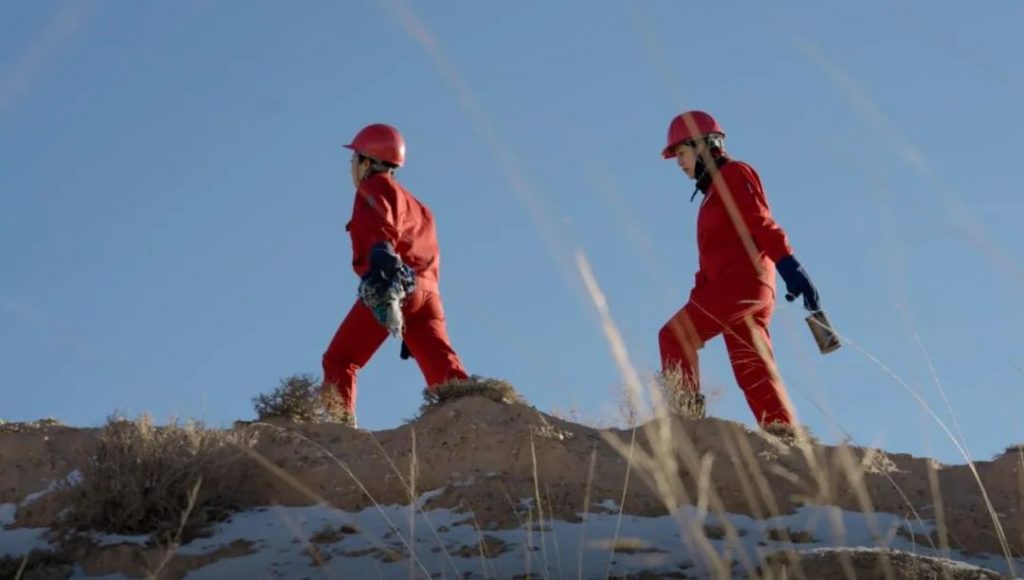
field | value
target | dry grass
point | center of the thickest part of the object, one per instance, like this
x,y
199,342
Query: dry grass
x,y
20,427
789,535
1014,449
680,397
494,389
870,563
668,462
329,534
37,564
297,398
143,478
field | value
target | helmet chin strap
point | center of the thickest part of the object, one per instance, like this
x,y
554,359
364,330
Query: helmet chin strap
x,y
696,189
702,175
699,172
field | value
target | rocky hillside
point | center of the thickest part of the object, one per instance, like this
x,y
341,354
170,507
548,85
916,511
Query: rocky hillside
x,y
480,489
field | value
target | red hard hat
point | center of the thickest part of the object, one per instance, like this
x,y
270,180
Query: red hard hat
x,y
687,126
381,142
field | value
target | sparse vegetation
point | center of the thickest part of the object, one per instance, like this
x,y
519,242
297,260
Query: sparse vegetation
x,y
714,532
142,479
681,398
792,536
331,534
36,565
18,427
493,389
298,398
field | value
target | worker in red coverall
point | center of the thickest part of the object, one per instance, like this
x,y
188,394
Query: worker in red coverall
x,y
390,230
738,243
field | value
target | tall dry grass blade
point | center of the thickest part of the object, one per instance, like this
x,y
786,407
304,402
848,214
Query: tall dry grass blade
x,y
540,506
726,434
484,555
412,500
746,489
753,467
704,485
529,541
540,213
1020,479
512,504
855,477
970,226
292,481
836,515
554,535
940,514
708,501
1000,532
172,549
942,393
414,505
665,471
804,445
311,549
586,510
622,503
22,566
657,52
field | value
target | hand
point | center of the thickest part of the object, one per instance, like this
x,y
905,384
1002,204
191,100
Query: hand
x,y
384,260
798,283
385,287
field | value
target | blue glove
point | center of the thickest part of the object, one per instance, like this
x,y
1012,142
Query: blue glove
x,y
798,283
384,260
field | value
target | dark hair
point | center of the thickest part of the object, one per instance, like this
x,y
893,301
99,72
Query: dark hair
x,y
712,140
376,165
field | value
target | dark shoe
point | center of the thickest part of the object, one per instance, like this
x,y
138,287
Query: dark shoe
x,y
682,397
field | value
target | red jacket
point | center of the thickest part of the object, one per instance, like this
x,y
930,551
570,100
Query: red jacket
x,y
384,211
738,240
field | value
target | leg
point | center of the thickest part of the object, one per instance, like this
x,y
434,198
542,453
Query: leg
x,y
680,339
426,335
753,363
357,338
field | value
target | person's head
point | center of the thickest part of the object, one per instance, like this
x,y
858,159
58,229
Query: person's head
x,y
377,148
694,139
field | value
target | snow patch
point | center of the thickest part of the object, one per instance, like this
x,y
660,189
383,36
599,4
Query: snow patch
x,y
73,478
293,542
17,542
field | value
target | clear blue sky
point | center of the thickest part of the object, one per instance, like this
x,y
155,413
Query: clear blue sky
x,y
174,195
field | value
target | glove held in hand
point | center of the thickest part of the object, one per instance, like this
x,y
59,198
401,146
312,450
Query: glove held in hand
x,y
798,283
385,287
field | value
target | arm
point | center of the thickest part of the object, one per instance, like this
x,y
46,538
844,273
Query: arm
x,y
751,205
374,227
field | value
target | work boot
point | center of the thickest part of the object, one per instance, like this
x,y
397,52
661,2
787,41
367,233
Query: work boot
x,y
681,395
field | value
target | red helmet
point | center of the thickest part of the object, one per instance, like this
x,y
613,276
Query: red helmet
x,y
381,142
687,126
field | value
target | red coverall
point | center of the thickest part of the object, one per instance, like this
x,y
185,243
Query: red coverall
x,y
384,211
734,292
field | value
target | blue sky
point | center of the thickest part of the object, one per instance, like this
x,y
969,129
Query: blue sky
x,y
174,195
